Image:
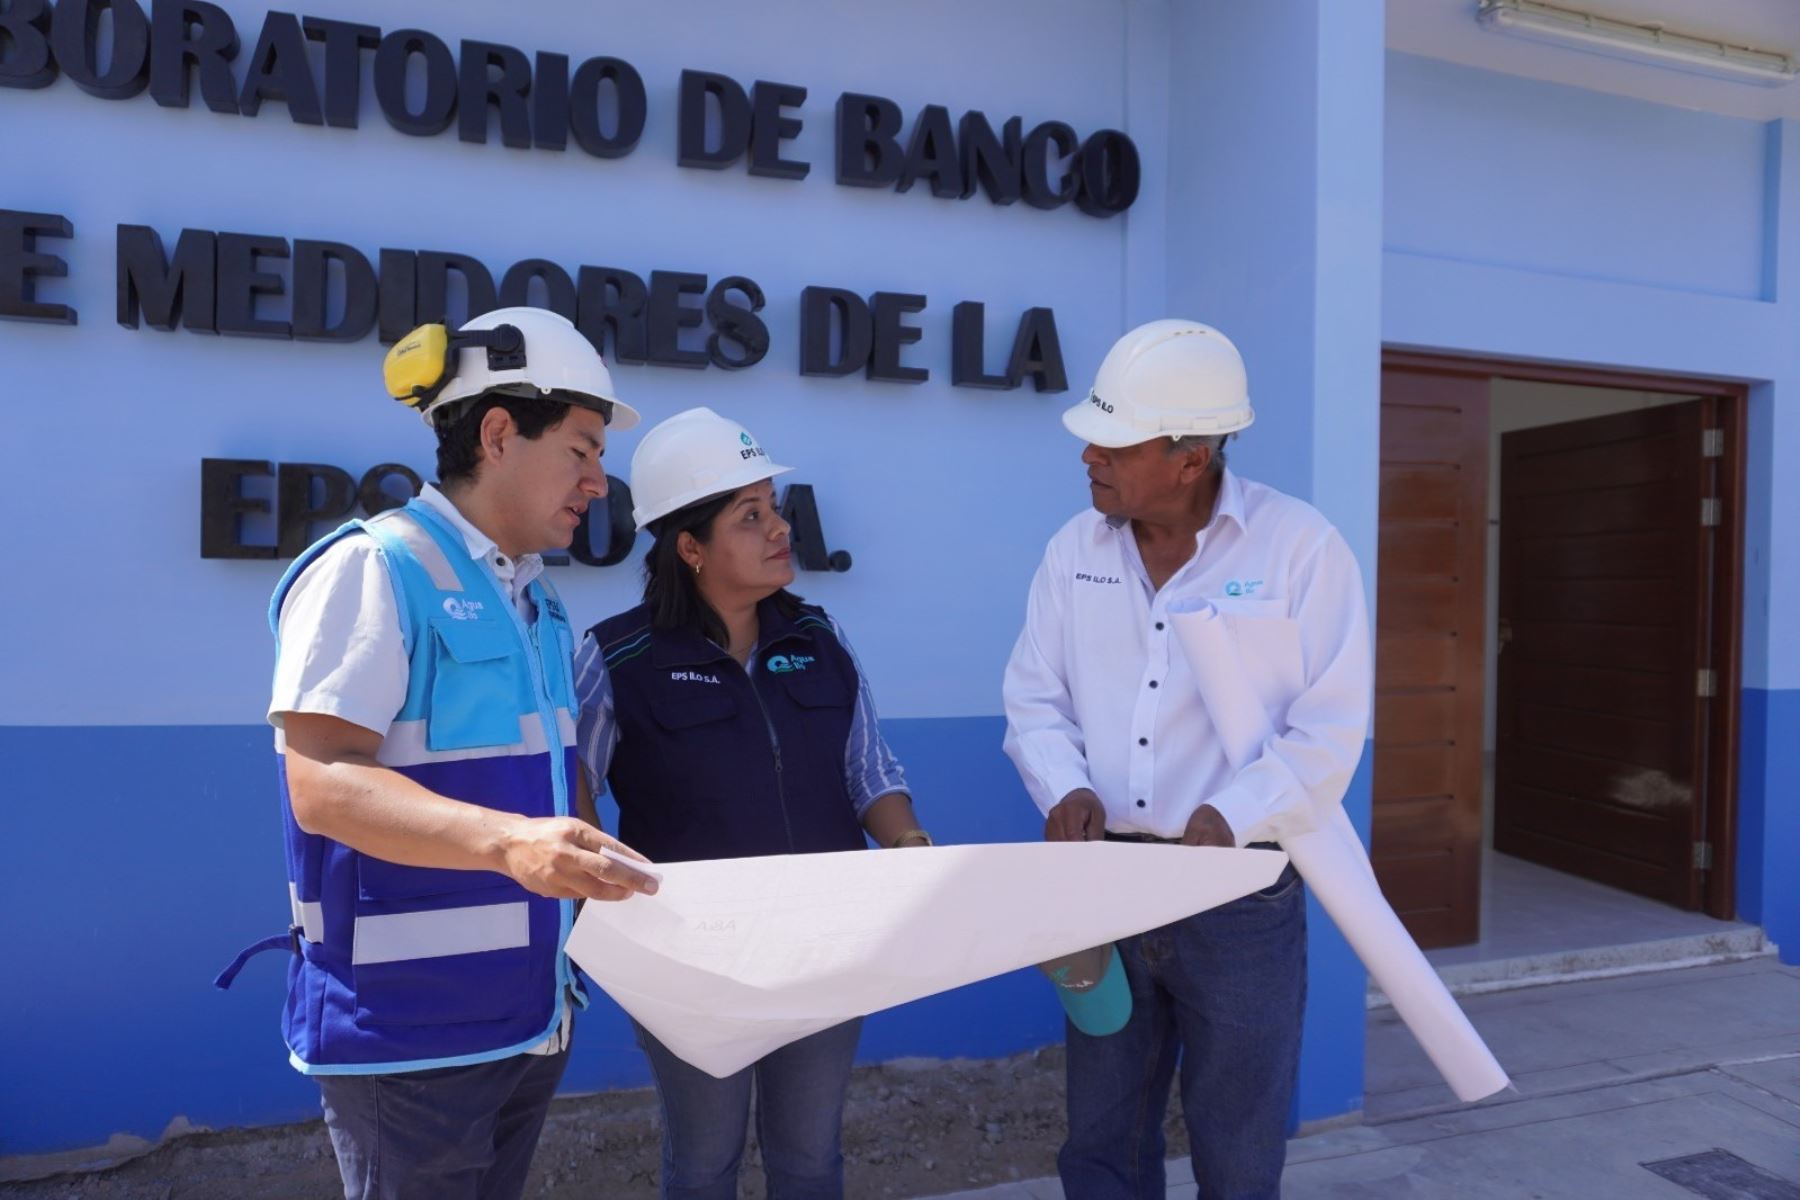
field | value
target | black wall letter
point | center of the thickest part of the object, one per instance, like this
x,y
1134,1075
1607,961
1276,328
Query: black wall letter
x,y
891,335
280,70
933,156
223,506
295,510
75,36
968,341
312,288
668,316
240,283
734,120
344,44
21,265
736,322
25,60
170,293
187,32
868,154
584,107
435,268
1035,161
439,102
822,309
375,498
769,127
559,289
479,87
1037,352
609,310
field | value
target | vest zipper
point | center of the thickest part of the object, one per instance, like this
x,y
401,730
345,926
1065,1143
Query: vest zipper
x,y
787,824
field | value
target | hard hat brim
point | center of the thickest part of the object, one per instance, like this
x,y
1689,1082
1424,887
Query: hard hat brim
x,y
623,416
1100,429
643,517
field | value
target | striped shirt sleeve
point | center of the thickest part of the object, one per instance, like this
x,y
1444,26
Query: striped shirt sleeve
x,y
597,729
870,769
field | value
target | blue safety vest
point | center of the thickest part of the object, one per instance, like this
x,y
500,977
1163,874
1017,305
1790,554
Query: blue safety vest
x,y
402,968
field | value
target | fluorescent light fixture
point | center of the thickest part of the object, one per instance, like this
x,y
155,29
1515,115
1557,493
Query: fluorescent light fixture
x,y
1640,42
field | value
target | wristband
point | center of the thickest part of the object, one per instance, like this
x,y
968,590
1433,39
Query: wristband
x,y
912,837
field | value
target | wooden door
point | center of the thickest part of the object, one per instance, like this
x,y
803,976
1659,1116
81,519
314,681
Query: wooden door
x,y
1604,577
1429,651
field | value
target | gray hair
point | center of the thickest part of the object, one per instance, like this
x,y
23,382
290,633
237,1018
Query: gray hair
x,y
1215,443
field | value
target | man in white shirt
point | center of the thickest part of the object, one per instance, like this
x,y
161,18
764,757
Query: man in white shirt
x,y
1110,736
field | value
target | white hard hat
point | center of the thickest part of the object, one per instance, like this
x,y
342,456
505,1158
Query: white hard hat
x,y
692,456
555,357
1165,379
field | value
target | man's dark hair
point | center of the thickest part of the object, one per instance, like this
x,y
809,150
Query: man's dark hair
x,y
459,436
670,590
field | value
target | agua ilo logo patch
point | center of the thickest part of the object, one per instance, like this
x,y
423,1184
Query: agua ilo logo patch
x,y
1242,587
692,677
780,664
462,610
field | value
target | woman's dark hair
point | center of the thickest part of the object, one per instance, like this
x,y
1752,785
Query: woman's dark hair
x,y
459,437
670,590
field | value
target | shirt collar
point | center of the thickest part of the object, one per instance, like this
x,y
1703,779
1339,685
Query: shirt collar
x,y
1230,504
480,546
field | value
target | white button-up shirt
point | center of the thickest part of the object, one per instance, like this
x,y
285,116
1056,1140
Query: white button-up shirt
x,y
1099,695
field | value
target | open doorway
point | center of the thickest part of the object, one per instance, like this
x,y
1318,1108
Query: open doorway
x,y
1556,677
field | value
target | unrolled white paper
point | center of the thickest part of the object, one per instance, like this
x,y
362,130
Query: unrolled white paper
x,y
1330,858
734,958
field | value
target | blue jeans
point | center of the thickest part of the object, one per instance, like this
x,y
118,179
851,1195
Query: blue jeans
x,y
799,1117
457,1133
1222,991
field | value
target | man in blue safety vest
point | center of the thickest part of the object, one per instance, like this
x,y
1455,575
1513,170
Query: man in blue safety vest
x,y
424,720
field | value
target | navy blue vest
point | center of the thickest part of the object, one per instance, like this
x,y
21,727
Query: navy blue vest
x,y
716,762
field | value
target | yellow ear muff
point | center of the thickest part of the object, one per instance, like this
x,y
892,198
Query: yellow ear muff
x,y
415,369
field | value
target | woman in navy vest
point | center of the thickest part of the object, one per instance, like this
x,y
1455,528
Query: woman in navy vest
x,y
731,720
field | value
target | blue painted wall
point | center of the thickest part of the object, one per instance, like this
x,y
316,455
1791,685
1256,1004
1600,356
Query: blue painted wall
x,y
928,486
131,908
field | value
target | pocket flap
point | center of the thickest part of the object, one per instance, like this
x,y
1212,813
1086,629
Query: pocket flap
x,y
818,689
692,706
474,641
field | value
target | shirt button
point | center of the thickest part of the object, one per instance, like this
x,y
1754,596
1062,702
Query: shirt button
x,y
1159,624
1153,683
1143,741
1141,804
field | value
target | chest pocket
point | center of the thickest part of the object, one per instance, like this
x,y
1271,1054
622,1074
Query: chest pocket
x,y
1269,642
475,685
689,707
819,687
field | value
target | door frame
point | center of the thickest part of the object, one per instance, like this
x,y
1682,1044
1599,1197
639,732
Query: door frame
x,y
1719,892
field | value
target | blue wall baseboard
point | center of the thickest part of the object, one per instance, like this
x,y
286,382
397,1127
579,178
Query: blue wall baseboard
x,y
128,887
1768,887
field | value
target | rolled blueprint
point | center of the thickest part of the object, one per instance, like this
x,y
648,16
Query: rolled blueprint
x,y
1330,858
